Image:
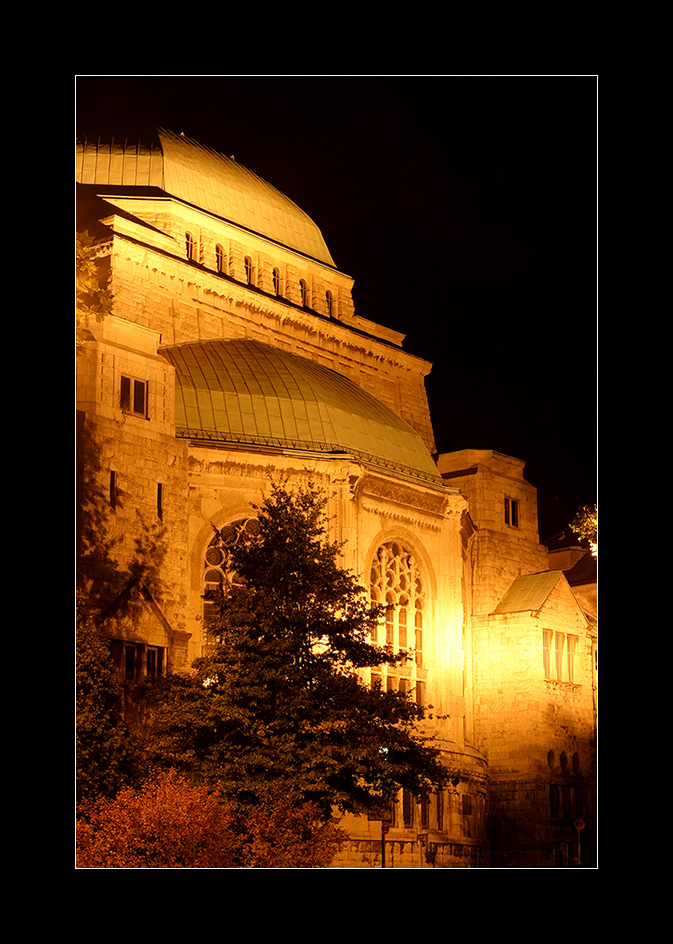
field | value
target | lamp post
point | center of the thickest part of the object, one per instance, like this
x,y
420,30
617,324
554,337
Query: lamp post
x,y
384,832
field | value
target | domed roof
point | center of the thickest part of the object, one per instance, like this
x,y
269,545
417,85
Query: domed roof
x,y
203,178
244,391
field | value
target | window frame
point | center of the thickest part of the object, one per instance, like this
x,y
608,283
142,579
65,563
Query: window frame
x,y
512,512
559,656
398,582
249,270
220,263
128,399
190,246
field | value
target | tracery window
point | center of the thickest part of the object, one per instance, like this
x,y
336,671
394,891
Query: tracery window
x,y
396,581
215,562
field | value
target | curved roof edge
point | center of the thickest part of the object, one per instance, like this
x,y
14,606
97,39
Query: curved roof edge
x,y
202,177
244,392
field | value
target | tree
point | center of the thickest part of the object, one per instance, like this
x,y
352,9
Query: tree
x,y
168,823
585,524
93,299
171,822
278,709
105,756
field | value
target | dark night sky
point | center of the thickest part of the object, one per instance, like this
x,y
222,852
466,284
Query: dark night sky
x,y
465,209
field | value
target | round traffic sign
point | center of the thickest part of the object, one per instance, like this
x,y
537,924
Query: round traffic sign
x,y
579,824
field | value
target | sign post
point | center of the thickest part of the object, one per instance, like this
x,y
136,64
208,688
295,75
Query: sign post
x,y
579,826
384,831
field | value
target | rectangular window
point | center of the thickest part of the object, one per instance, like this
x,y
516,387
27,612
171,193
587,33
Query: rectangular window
x,y
558,656
512,512
160,501
113,489
130,660
546,651
154,666
407,808
570,651
425,812
559,642
133,396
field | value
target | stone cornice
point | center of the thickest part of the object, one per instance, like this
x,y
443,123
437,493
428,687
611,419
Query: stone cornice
x,y
212,288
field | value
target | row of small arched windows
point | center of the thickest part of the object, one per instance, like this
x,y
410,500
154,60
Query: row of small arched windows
x,y
221,266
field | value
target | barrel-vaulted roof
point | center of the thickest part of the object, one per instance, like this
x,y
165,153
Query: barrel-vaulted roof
x,y
246,392
201,177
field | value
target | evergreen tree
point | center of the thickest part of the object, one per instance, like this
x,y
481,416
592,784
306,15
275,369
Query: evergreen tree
x,y
278,708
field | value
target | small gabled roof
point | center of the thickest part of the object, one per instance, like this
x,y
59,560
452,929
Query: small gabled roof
x,y
528,592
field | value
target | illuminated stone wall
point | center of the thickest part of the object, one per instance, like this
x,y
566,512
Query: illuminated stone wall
x,y
156,286
520,742
524,712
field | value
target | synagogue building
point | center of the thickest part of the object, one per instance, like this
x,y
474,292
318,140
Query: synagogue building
x,y
233,357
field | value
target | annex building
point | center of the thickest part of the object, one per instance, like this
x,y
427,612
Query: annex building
x,y
233,355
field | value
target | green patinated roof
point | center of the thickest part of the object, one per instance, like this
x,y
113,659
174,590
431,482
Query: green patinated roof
x,y
206,179
528,592
244,391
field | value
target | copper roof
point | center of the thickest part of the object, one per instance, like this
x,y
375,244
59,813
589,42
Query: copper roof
x,y
203,178
243,391
528,592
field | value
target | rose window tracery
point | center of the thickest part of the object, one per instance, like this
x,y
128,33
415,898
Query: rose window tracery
x,y
215,562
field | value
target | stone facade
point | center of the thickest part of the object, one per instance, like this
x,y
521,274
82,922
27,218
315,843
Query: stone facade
x,y
183,272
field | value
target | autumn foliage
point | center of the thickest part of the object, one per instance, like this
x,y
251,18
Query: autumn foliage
x,y
171,823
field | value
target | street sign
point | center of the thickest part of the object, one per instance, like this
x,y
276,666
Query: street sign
x,y
579,824
385,827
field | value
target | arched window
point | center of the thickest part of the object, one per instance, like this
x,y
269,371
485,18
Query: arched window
x,y
215,563
396,582
190,247
219,258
